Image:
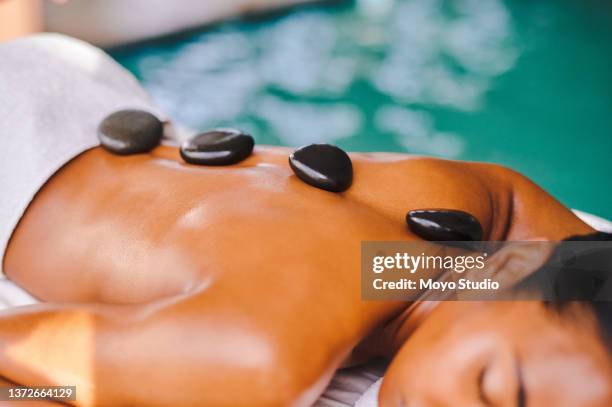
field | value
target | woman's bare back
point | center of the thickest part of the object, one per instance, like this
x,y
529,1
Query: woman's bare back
x,y
255,267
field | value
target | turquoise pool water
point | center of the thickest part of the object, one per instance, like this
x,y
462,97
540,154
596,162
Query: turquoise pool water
x,y
527,84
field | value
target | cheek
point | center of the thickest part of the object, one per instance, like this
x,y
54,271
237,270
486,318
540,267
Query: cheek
x,y
411,371
568,379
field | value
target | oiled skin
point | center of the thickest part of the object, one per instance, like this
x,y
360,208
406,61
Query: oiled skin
x,y
187,285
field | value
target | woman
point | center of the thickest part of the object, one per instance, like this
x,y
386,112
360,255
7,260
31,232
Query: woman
x,y
165,283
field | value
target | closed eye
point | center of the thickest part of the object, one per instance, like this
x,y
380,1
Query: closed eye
x,y
521,397
481,394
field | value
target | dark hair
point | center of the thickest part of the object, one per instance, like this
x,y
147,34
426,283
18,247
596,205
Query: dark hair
x,y
582,275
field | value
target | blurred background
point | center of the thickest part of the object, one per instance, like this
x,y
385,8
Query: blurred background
x,y
524,83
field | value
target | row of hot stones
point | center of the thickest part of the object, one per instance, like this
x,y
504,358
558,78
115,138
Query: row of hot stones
x,y
323,166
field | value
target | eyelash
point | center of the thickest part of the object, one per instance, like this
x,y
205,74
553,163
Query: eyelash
x,y
481,395
522,396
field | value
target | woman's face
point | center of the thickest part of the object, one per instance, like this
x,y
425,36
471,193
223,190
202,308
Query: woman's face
x,y
502,354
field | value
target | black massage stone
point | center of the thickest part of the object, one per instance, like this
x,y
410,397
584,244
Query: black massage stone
x,y
218,147
444,225
130,132
323,166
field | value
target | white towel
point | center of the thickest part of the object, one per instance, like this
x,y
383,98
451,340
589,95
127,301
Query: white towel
x,y
54,90
370,397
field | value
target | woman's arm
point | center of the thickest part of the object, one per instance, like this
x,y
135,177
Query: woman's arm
x,y
160,354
